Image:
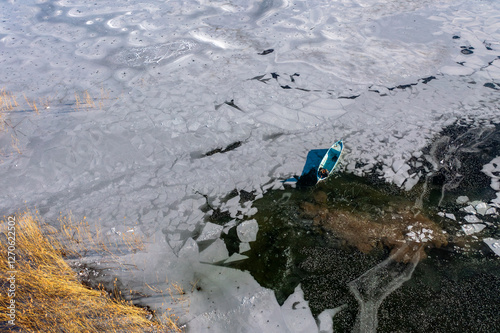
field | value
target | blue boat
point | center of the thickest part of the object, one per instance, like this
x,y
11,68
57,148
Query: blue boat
x,y
330,160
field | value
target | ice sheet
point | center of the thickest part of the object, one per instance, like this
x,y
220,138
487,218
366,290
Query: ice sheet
x,y
173,81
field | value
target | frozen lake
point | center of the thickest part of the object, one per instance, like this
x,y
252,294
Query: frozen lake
x,y
151,116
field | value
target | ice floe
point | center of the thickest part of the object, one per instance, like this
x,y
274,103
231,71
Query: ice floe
x,y
469,209
462,199
210,231
448,215
473,228
482,208
494,244
472,219
247,231
492,169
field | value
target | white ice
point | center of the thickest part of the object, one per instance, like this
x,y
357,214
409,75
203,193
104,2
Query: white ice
x,y
494,244
172,81
492,170
473,228
247,231
472,219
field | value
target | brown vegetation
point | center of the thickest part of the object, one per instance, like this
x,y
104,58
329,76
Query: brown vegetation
x,y
394,229
48,295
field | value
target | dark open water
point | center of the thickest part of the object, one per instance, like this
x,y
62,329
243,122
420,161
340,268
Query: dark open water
x,y
455,289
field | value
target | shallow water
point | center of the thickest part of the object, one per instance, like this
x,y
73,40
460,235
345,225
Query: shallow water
x,y
454,289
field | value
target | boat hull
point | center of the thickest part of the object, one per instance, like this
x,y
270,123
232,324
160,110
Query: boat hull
x,y
330,161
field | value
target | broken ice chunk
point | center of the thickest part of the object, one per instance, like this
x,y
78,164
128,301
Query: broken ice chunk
x,y
210,231
472,219
491,211
217,251
244,247
411,234
247,231
481,208
469,209
476,202
494,245
462,199
189,250
450,216
235,257
470,229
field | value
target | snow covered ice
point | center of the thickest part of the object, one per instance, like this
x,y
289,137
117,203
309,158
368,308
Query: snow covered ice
x,y
189,107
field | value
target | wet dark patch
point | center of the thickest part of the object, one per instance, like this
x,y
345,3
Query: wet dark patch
x,y
426,80
247,196
349,97
266,52
234,193
219,216
467,50
487,46
403,86
230,147
491,85
231,103
232,241
260,78
291,76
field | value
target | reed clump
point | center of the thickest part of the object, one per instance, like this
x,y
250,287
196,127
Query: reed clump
x,y
7,100
48,294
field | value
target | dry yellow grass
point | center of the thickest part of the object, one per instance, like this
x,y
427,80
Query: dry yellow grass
x,y
7,100
87,101
31,104
7,103
15,144
48,295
